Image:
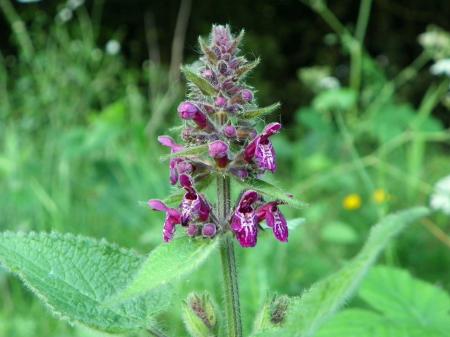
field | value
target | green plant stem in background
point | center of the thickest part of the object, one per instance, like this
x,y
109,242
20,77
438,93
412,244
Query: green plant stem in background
x,y
356,49
416,153
229,269
19,29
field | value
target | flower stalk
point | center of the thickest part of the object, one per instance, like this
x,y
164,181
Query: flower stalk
x,y
229,268
220,138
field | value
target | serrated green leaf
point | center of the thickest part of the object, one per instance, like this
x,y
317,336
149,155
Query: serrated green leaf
x,y
405,306
399,296
249,114
272,191
320,302
166,263
73,276
188,152
204,86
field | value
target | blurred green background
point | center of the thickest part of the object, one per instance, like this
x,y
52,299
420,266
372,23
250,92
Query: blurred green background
x,y
85,88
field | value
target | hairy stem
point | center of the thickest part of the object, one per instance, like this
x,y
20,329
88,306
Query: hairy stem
x,y
230,277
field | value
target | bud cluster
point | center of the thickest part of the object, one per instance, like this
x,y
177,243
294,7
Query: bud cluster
x,y
218,117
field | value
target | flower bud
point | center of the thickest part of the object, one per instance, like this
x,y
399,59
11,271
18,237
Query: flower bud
x,y
222,66
199,315
209,230
187,110
220,101
207,73
278,309
229,131
239,172
247,95
219,151
192,230
273,313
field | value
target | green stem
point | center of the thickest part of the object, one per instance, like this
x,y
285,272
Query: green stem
x,y
19,29
230,277
356,49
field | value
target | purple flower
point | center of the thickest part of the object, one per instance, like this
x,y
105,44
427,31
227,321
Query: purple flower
x,y
261,149
193,206
174,162
220,101
173,217
274,219
246,95
209,230
219,151
189,111
244,222
229,131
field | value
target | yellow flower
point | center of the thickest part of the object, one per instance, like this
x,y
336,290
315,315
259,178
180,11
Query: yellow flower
x,y
380,196
352,202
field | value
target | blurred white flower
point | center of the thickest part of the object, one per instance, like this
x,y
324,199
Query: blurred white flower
x,y
329,82
112,47
440,199
65,14
441,67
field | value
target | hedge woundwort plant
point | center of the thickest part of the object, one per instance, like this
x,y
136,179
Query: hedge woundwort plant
x,y
116,290
220,113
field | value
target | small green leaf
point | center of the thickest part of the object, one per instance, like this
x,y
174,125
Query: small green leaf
x,y
211,56
246,68
249,114
192,151
74,275
272,191
308,312
204,86
166,263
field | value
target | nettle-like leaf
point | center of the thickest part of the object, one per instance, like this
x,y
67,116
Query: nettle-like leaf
x,y
405,306
271,191
166,263
309,311
203,85
259,112
73,276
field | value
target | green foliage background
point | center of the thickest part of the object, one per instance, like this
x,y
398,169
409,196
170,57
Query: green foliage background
x,y
78,151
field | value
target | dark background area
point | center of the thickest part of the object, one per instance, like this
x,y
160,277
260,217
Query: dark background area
x,y
286,34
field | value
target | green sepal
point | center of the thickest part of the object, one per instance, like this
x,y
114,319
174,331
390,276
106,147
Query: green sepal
x,y
250,114
203,85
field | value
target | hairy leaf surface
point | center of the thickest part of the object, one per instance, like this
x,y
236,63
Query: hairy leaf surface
x,y
167,262
73,276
